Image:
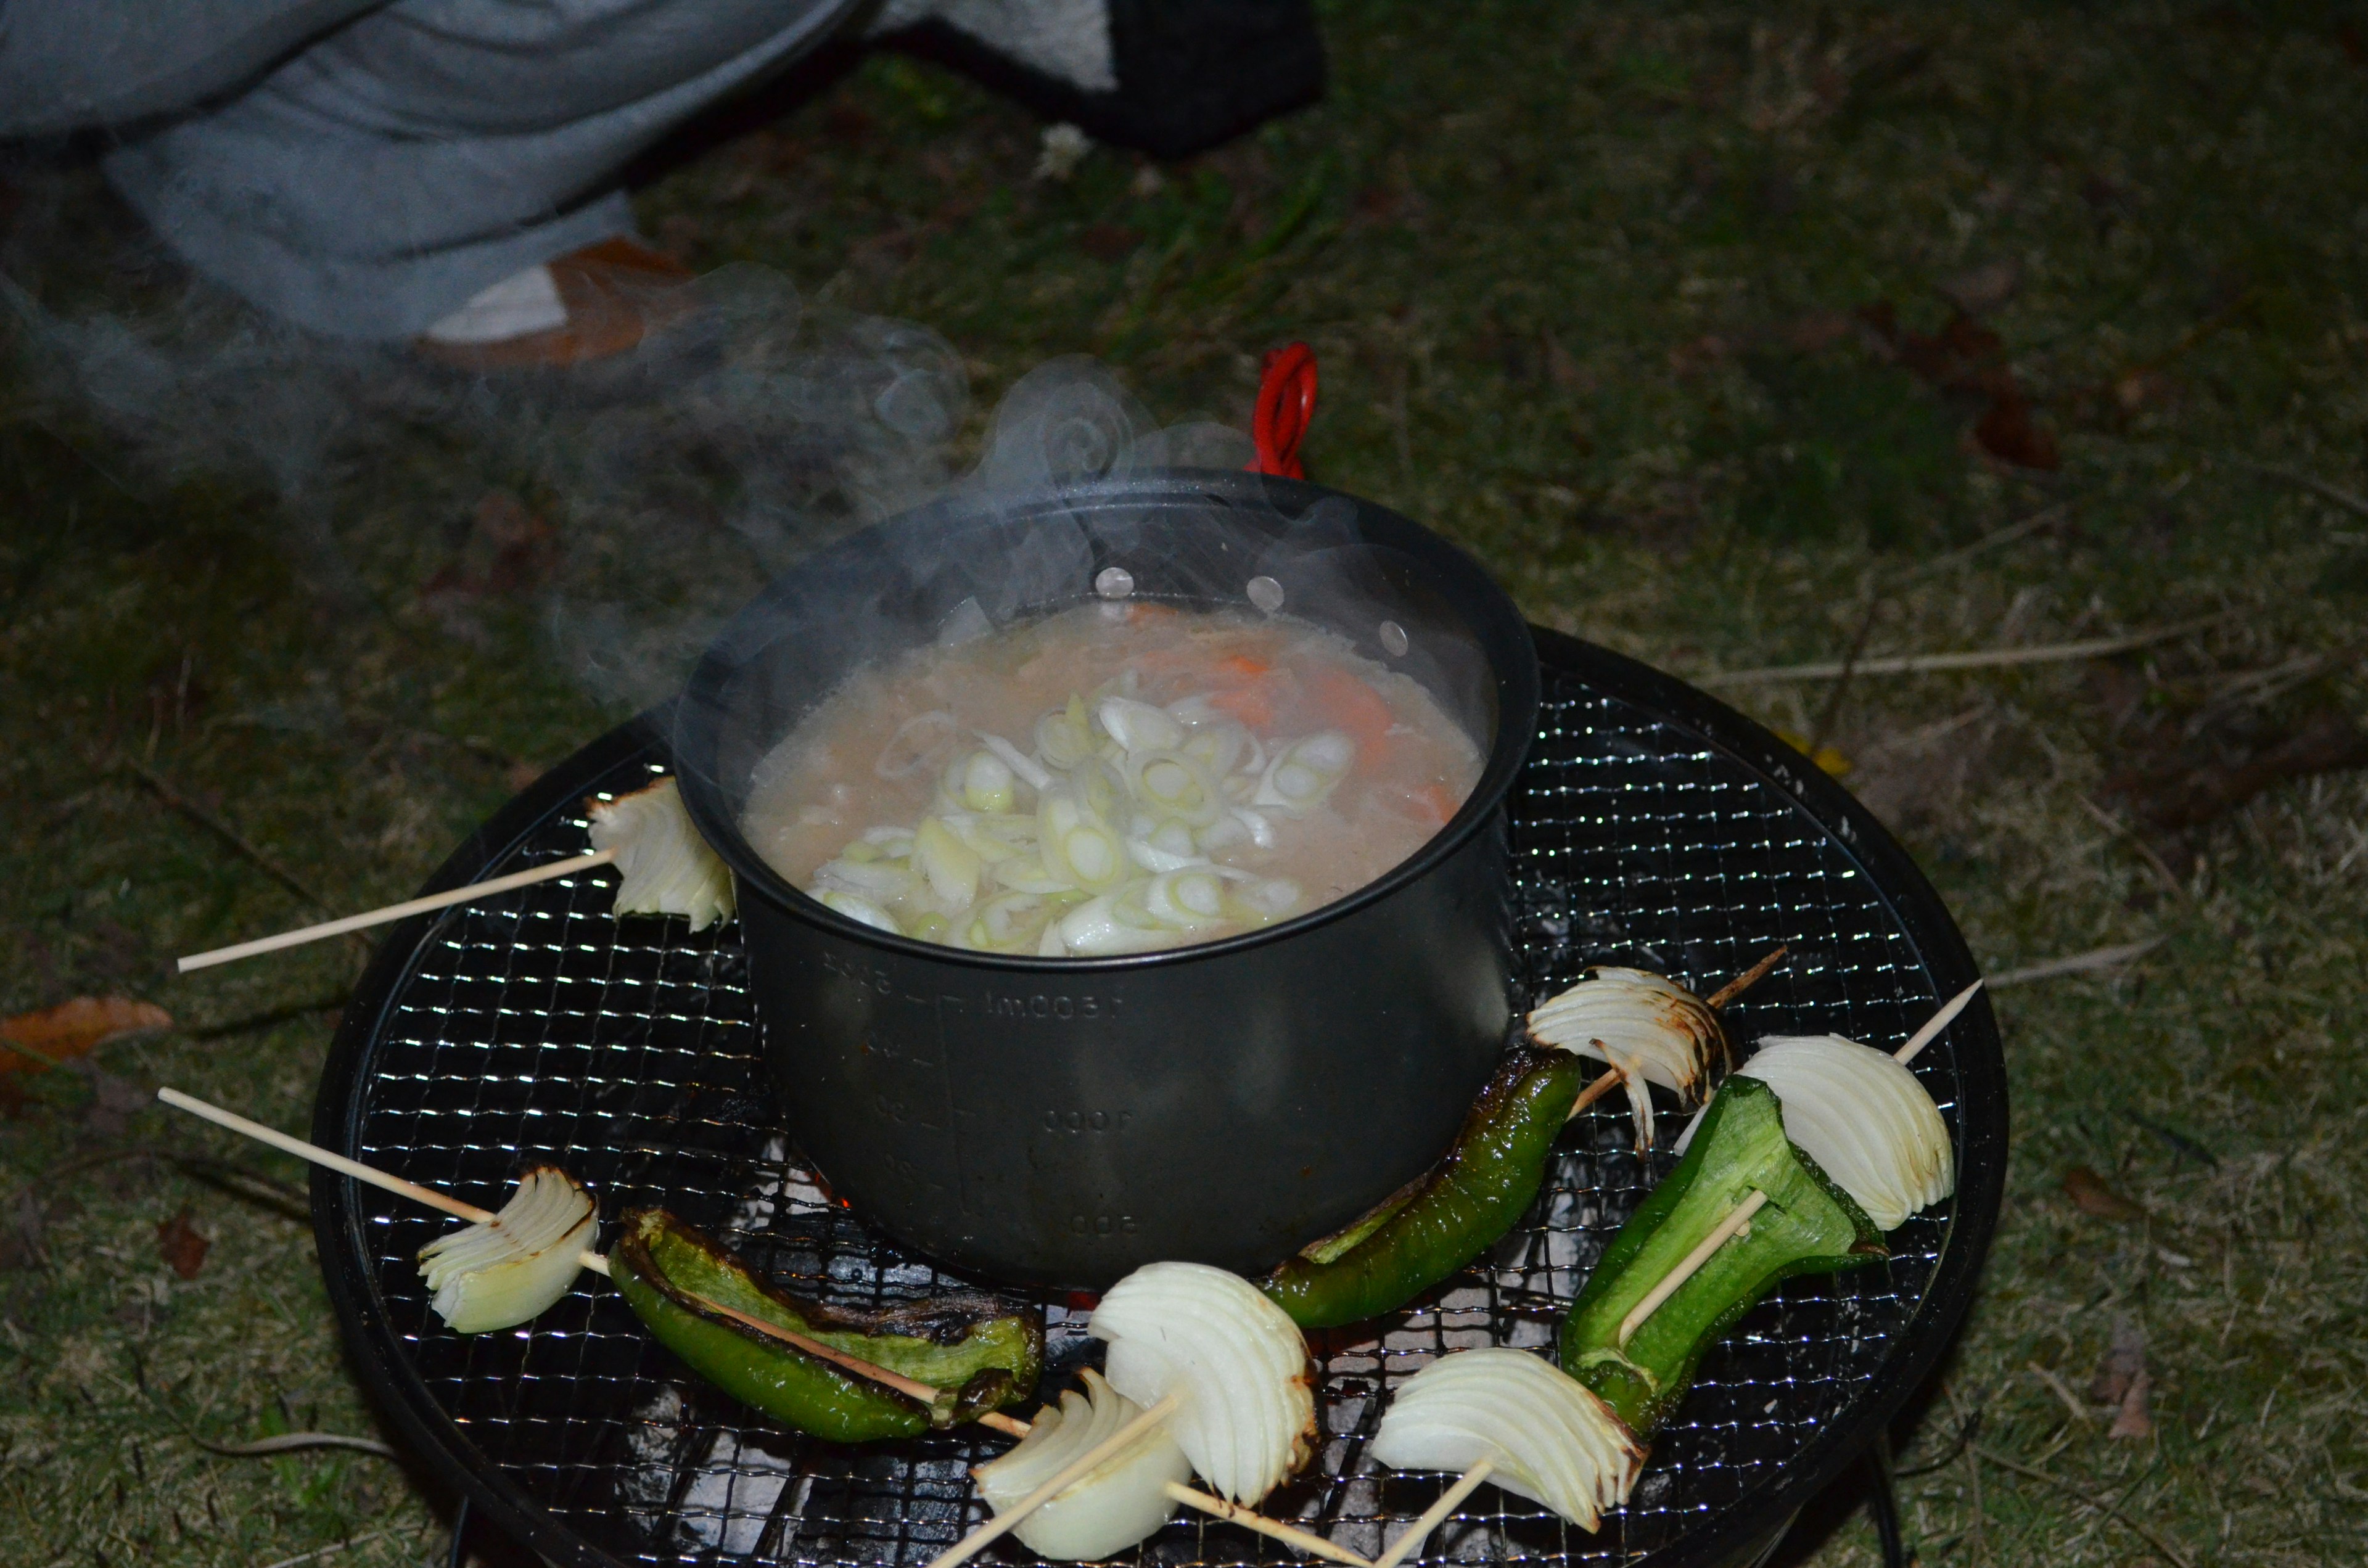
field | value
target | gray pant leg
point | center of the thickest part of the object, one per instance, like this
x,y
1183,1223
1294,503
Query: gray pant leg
x,y
372,183
65,64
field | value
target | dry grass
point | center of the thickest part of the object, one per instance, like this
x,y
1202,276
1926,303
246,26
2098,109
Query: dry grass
x,y
1586,283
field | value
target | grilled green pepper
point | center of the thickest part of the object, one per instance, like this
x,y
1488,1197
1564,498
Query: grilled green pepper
x,y
1446,1217
978,1351
1807,1226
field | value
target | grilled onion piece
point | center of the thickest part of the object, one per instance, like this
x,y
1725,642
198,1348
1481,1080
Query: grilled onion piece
x,y
506,1270
668,867
1551,1439
1109,1509
1643,1025
1247,1416
1616,1015
1861,1115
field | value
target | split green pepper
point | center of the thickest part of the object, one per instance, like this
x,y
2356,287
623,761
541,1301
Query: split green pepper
x,y
1807,1226
980,1353
1449,1215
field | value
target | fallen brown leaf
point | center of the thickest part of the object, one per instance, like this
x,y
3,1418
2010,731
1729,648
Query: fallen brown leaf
x,y
2122,1362
2007,431
1969,360
2135,1419
72,1029
182,1245
2091,1194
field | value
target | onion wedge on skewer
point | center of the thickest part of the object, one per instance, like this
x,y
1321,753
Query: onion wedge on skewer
x,y
1247,1416
1549,1436
1643,1025
1864,1117
1111,1506
669,869
502,1271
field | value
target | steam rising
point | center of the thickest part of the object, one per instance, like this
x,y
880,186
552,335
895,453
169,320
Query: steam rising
x,y
637,504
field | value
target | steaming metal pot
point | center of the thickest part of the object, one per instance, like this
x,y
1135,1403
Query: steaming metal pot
x,y
1061,1121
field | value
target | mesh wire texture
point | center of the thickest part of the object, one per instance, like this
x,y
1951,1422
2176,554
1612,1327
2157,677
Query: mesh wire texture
x,y
537,1027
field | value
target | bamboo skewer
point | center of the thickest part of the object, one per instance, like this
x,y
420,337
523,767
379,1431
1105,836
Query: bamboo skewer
x,y
1001,1524
1936,1023
1747,979
1430,1517
1251,1519
319,1156
1740,1220
910,1387
1736,1223
1615,1076
326,928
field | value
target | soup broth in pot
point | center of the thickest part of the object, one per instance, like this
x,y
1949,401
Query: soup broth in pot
x,y
1111,778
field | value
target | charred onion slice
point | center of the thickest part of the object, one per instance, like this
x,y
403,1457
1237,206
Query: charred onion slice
x,y
668,867
1864,1117
1247,1415
1620,1016
1551,1439
1113,1505
506,1270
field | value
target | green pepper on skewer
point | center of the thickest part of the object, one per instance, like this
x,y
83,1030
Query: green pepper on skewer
x,y
1807,1226
1444,1218
982,1354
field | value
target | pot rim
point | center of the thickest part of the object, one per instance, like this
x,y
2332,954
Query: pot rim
x,y
1518,692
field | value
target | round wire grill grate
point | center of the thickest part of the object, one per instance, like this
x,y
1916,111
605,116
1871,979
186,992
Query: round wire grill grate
x,y
1652,827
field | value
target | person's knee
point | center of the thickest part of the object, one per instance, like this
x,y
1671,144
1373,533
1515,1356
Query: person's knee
x,y
69,64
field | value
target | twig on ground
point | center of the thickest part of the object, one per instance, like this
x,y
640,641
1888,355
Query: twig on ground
x,y
2300,481
2078,1495
2131,836
290,1442
1824,728
2062,1390
2260,686
1970,659
2045,518
165,791
2078,963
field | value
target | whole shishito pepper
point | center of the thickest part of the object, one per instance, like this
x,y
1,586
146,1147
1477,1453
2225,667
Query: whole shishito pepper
x,y
1807,1226
980,1351
1449,1215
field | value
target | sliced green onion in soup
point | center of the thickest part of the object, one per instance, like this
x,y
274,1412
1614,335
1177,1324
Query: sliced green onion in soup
x,y
1106,925
1186,900
1306,771
951,866
1169,847
880,879
987,782
1065,738
1079,845
1262,901
1008,922
1027,873
854,906
1138,726
1170,784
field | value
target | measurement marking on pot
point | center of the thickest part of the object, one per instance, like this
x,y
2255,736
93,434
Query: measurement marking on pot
x,y
1102,1224
1086,1120
1042,1005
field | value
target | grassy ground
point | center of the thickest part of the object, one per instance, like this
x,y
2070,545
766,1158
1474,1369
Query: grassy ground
x,y
1728,337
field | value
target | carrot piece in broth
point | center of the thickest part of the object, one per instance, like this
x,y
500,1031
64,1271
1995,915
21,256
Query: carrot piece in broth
x,y
1348,703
